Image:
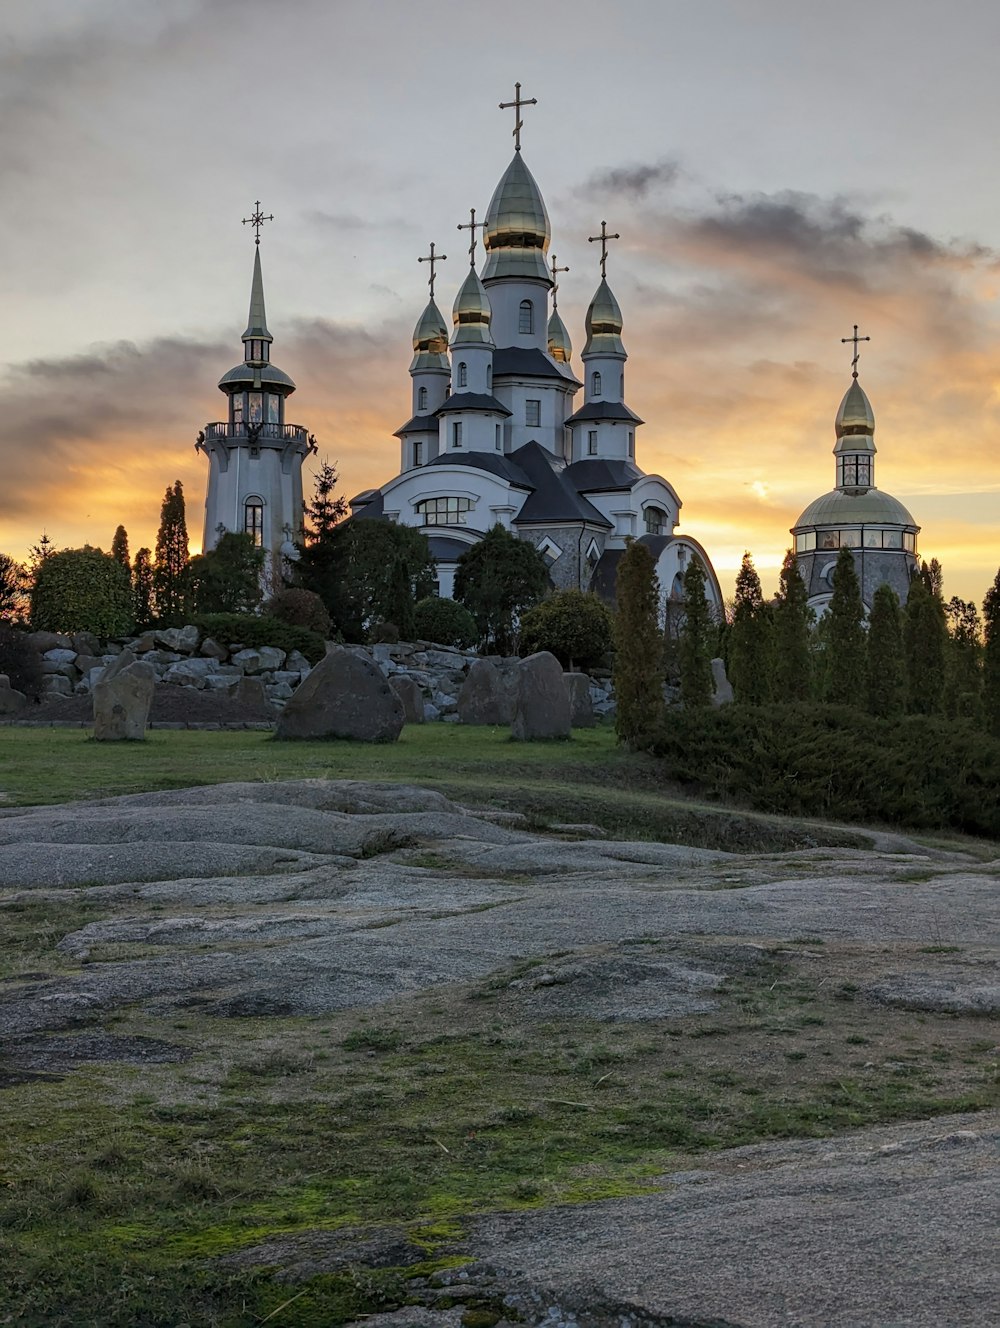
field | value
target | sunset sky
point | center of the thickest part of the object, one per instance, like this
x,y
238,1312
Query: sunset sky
x,y
778,170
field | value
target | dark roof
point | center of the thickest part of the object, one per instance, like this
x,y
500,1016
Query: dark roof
x,y
418,424
605,574
472,401
494,462
601,473
604,410
447,549
553,498
374,507
530,362
268,375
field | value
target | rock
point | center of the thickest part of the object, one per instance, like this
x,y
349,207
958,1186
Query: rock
x,y
541,702
87,662
56,685
297,661
122,700
723,694
410,697
64,669
487,695
345,696
431,712
221,682
581,707
59,655
249,692
86,643
182,639
143,643
49,641
278,691
191,672
262,660
12,702
161,657
212,649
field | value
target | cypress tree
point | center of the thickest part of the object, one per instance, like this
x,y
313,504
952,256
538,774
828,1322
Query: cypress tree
x,y
845,673
119,546
925,637
694,646
963,661
793,655
142,589
991,657
886,674
170,573
400,604
638,666
750,639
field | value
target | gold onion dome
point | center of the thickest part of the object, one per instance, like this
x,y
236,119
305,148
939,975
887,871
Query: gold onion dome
x,y
430,340
560,346
604,323
517,230
471,312
855,415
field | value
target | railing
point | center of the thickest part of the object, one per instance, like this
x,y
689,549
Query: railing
x,y
284,433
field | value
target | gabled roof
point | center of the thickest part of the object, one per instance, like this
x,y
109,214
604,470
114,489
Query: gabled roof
x,y
599,474
472,401
418,424
529,362
554,497
374,507
604,410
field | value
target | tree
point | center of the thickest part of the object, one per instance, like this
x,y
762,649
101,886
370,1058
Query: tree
x,y
925,638
443,621
793,640
400,602
497,580
39,552
694,645
638,666
142,588
991,657
963,659
119,546
170,572
300,608
13,589
845,673
750,639
82,590
884,664
362,573
227,578
573,625
325,512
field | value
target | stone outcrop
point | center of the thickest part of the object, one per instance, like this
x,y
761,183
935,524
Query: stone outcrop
x,y
122,700
12,702
345,696
487,695
541,701
581,705
410,697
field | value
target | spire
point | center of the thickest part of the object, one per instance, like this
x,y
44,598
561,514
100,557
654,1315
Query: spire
x,y
472,313
257,320
517,230
604,324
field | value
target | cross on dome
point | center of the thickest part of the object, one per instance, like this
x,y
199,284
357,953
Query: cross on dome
x,y
857,354
472,225
256,220
555,283
432,258
517,103
604,237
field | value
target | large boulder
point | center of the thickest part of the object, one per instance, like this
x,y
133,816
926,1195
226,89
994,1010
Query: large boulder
x,y
182,639
122,700
581,707
345,696
487,694
410,697
541,702
722,693
12,702
263,659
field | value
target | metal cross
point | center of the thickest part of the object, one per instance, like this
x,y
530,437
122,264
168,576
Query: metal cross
x,y
472,225
517,103
555,283
432,258
855,339
256,220
604,237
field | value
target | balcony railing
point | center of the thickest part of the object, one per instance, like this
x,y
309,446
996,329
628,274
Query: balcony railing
x,y
282,433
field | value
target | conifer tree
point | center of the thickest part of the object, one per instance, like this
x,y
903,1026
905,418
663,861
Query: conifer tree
x,y
991,657
325,512
925,637
750,639
37,554
694,646
170,572
963,660
119,546
638,665
885,669
142,589
400,604
844,634
793,653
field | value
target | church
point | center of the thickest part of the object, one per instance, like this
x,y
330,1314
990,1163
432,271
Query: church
x,y
496,435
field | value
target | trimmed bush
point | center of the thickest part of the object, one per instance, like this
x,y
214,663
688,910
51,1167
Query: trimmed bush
x,y
300,608
573,625
82,590
21,661
445,622
251,630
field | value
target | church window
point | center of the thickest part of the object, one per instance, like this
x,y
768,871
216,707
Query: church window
x,y
456,433
592,442
418,454
909,541
526,319
595,384
444,511
656,521
497,437
829,539
850,539
872,539
489,378
593,555
463,374
892,539
631,443
621,386
253,520
256,408
238,408
855,472
532,413
273,408
422,400
550,551
806,542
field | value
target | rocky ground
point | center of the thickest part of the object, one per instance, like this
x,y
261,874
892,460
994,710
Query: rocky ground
x,y
660,1022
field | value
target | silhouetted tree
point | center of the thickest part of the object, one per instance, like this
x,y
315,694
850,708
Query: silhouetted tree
x,y
845,671
226,579
696,635
991,656
119,546
497,580
885,669
925,637
963,659
793,644
170,572
750,639
142,589
638,664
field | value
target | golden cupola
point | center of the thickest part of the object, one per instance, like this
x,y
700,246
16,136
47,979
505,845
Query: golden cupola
x,y
471,313
517,230
604,324
430,340
559,345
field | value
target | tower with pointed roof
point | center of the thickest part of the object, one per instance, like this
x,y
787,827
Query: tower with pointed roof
x,y
255,455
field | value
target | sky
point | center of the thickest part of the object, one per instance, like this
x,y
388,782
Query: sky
x,y
778,170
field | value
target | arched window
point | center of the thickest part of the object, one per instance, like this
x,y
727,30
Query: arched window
x,y
595,384
463,374
526,318
253,520
422,400
489,378
656,521
444,511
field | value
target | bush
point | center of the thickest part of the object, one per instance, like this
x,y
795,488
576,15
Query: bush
x,y
82,590
445,622
21,661
300,608
575,626
251,630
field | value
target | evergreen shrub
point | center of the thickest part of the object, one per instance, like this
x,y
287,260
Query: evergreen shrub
x,y
445,622
21,661
255,631
575,626
82,590
300,608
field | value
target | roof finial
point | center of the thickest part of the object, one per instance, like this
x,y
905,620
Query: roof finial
x,y
256,220
432,258
857,355
604,237
517,103
555,283
472,225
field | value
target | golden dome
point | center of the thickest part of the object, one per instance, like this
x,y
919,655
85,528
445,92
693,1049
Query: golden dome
x,y
431,332
855,415
517,230
560,346
471,312
604,323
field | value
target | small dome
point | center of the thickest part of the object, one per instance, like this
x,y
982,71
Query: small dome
x,y
847,507
517,230
855,415
472,312
257,376
604,323
560,346
431,332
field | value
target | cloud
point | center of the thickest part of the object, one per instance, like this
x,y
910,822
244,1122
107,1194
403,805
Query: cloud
x,y
633,182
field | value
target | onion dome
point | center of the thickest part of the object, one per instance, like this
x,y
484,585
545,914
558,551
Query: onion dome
x,y
855,415
604,324
560,346
472,313
430,340
517,230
